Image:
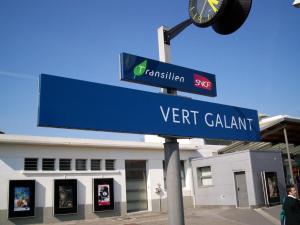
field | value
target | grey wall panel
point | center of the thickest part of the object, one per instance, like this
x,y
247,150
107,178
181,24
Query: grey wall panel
x,y
222,192
269,162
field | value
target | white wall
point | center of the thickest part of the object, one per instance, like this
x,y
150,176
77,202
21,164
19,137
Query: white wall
x,y
203,149
155,177
12,163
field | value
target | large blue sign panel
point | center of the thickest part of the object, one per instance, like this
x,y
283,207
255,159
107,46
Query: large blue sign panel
x,y
75,104
155,73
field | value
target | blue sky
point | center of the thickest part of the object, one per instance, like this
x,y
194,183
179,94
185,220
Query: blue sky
x,y
256,67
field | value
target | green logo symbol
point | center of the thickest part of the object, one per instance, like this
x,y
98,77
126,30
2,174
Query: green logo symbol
x,y
140,69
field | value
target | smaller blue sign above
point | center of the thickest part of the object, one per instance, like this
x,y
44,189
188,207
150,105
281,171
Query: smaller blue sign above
x,y
155,73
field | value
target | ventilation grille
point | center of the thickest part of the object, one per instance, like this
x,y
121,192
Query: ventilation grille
x,y
109,164
48,164
65,164
80,164
31,164
95,164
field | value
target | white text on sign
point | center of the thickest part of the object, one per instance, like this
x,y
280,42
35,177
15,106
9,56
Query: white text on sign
x,y
218,120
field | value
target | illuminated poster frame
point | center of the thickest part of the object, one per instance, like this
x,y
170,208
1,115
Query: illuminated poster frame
x,y
65,196
270,187
21,200
103,194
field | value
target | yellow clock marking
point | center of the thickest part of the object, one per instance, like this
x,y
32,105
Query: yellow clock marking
x,y
213,4
200,18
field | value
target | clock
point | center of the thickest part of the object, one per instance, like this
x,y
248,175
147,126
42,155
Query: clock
x,y
233,17
204,13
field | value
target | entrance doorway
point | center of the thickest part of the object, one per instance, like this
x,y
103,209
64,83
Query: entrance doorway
x,y
241,189
136,185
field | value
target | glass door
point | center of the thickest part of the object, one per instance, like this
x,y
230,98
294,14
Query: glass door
x,y
136,185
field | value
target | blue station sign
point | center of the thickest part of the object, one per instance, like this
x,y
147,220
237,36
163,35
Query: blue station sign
x,y
155,73
75,104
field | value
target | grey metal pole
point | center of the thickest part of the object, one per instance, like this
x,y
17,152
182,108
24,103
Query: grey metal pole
x,y
174,188
172,156
289,156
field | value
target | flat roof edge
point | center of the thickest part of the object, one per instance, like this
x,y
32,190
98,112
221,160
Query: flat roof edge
x,y
237,152
92,143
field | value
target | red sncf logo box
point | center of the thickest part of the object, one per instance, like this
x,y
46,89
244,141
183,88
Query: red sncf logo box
x,y
202,82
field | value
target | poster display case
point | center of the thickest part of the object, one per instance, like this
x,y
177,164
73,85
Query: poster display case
x,y
270,187
65,196
21,198
103,194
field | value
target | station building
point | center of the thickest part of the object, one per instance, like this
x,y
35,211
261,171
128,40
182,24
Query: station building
x,y
234,177
213,172
136,167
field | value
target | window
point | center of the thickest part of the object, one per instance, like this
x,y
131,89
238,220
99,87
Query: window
x,y
48,164
95,164
182,173
31,164
109,164
65,164
204,176
80,164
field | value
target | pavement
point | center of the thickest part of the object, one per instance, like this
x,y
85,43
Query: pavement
x,y
198,216
271,213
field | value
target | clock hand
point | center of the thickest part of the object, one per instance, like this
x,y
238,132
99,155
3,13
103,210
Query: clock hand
x,y
203,8
213,4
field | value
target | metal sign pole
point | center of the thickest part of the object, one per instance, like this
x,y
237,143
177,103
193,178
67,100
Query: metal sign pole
x,y
289,156
171,147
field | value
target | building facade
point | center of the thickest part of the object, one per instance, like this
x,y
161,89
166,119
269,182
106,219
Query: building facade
x,y
236,179
135,167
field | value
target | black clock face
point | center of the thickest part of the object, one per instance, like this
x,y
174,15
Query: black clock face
x,y
204,12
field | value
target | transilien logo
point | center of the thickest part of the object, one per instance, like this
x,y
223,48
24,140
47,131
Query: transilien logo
x,y
140,69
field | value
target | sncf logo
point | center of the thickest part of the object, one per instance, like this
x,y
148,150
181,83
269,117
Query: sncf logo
x,y
202,82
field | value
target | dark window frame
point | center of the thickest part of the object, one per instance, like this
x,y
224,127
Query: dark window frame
x,y
113,164
44,166
80,164
98,165
65,160
200,176
35,164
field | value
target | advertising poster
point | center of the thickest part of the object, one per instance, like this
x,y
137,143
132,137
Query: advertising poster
x,y
103,194
21,198
272,195
65,196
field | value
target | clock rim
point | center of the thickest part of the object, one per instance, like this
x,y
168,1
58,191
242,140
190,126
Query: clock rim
x,y
210,22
